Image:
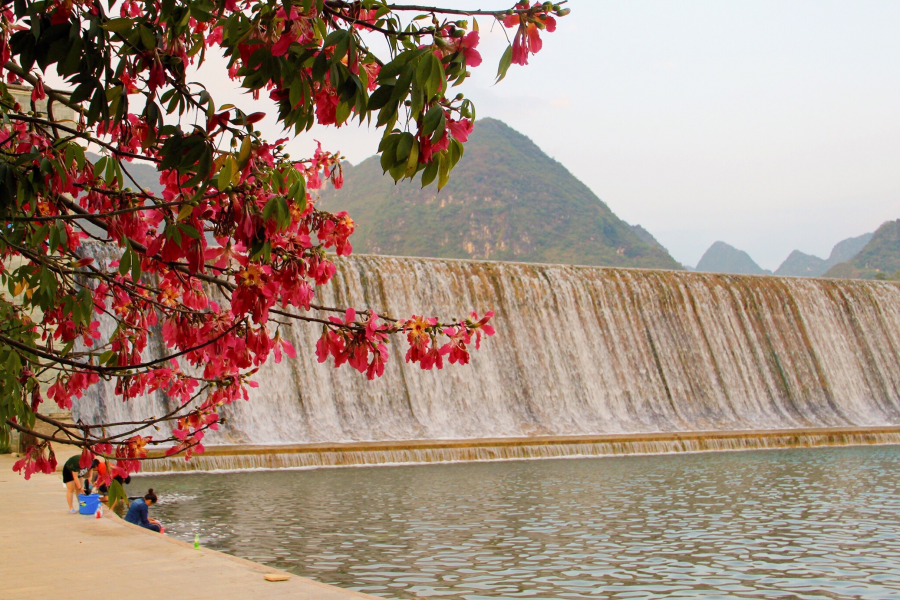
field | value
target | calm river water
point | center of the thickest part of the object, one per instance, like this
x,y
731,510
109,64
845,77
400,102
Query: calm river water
x,y
821,523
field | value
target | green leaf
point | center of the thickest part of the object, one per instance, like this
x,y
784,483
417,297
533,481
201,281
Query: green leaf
x,y
393,68
186,211
114,92
335,37
270,208
432,120
505,62
437,81
244,154
430,172
412,164
441,130
388,149
135,267
118,25
443,171
99,166
226,173
404,146
125,263
53,242
189,230
116,494
147,38
423,70
380,97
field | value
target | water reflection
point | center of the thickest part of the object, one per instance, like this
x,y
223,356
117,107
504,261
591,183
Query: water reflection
x,y
810,524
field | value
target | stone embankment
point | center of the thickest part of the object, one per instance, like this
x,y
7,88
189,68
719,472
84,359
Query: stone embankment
x,y
47,553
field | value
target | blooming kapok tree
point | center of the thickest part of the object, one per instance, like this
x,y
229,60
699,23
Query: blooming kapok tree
x,y
234,247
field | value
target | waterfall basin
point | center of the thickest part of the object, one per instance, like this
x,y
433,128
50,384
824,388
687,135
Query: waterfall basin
x,y
805,523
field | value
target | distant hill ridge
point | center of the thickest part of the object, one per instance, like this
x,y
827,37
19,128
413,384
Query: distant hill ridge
x,y
879,259
722,258
506,200
799,264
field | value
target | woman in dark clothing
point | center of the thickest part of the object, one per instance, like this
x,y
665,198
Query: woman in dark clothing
x,y
139,512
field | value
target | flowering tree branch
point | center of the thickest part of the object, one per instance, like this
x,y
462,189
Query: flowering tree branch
x,y
233,248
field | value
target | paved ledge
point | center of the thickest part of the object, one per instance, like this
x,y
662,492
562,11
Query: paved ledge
x,y
241,457
213,449
47,553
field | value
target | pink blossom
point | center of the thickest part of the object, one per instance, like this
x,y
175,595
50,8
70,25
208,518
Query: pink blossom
x,y
38,92
460,129
467,46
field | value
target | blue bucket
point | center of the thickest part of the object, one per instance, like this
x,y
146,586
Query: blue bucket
x,y
88,505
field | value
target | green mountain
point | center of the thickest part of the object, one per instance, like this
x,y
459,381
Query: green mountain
x,y
799,264
647,237
722,258
879,259
506,200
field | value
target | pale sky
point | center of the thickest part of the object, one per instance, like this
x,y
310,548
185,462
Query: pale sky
x,y
772,126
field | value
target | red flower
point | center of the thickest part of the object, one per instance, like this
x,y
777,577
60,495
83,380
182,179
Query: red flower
x,y
427,149
38,92
418,337
254,294
376,367
280,47
87,457
326,106
460,129
35,462
528,37
372,70
479,326
456,347
157,76
336,233
467,46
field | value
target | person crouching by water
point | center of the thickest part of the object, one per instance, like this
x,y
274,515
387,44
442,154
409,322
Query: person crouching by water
x,y
72,474
138,513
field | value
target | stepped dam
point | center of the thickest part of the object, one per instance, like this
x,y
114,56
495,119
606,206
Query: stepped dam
x,y
586,361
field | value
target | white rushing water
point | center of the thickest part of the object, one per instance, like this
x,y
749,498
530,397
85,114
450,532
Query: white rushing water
x,y
582,350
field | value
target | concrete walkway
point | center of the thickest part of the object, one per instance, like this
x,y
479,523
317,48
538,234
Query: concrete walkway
x,y
47,553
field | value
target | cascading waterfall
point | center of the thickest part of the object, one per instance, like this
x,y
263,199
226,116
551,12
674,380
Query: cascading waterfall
x,y
582,351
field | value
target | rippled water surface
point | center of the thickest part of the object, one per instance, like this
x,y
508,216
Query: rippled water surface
x,y
821,523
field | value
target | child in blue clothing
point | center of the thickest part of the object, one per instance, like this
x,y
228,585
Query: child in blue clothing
x,y
139,513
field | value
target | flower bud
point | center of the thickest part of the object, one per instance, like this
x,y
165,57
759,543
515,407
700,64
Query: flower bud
x,y
563,12
82,262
